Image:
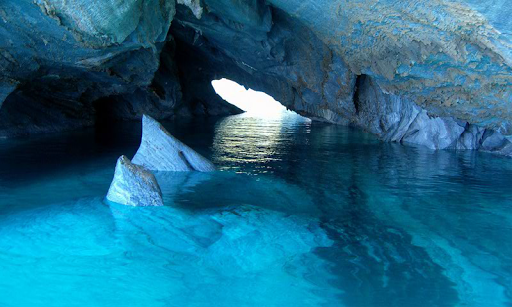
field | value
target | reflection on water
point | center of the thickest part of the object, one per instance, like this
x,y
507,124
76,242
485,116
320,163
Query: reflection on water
x,y
299,214
249,142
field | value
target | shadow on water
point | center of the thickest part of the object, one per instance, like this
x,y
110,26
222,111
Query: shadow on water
x,y
44,169
25,160
29,159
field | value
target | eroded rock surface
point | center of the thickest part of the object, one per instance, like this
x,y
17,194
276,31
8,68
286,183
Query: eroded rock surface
x,y
160,151
398,119
453,58
296,61
65,55
267,51
64,64
134,185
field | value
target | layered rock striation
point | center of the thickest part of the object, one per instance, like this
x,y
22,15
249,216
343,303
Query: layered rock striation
x,y
160,151
398,119
65,64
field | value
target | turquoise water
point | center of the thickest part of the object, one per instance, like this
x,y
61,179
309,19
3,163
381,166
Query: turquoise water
x,y
299,214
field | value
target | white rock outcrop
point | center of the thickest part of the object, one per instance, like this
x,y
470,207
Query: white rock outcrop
x,y
160,151
134,185
194,6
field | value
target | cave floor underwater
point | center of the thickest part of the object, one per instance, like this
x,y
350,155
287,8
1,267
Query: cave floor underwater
x,y
298,214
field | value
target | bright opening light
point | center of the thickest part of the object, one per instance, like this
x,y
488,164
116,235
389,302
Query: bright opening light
x,y
255,103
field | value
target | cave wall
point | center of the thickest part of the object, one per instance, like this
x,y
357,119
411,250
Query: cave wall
x,y
273,53
452,58
399,119
433,73
94,48
67,64
62,56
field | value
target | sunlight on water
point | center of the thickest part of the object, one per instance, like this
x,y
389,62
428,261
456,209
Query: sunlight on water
x,y
248,139
300,214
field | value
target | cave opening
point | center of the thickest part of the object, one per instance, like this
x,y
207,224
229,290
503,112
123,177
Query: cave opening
x,y
248,100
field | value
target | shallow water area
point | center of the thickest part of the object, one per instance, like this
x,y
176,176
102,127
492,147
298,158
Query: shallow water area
x,y
298,214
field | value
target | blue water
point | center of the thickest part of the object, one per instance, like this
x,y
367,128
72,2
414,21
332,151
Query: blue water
x,y
299,214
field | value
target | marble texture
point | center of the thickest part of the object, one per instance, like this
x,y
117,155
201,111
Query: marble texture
x,y
194,6
284,59
134,185
453,58
160,151
67,64
397,119
63,56
309,75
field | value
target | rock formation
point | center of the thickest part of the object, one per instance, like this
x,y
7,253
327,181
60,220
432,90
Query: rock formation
x,y
65,64
430,72
398,119
133,185
160,151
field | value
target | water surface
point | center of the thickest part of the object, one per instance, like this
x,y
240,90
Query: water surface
x,y
299,214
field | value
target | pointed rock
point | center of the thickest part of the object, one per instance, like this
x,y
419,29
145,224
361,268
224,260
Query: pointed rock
x,y
133,185
160,151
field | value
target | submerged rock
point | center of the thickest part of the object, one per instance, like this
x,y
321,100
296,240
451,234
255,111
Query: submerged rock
x,y
133,185
160,151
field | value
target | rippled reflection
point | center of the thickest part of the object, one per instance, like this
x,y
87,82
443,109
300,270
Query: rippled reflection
x,y
255,141
300,214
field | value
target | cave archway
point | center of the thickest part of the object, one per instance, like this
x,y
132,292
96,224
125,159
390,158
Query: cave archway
x,y
249,100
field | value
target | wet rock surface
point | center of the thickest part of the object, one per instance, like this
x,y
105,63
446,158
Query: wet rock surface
x,y
451,58
134,182
309,75
284,59
80,62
